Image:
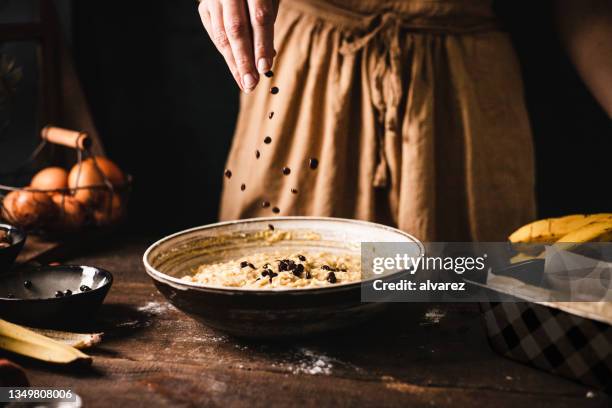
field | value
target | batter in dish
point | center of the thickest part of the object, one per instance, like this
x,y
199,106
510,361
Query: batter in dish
x,y
281,270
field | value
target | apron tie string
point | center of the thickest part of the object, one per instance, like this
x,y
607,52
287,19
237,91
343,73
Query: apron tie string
x,y
387,84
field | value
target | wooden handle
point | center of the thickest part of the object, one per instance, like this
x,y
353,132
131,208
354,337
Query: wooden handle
x,y
65,137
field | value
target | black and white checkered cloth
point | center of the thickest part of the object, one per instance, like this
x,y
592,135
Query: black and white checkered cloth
x,y
552,340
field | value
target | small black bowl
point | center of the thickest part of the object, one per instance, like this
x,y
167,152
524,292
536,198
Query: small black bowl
x,y
35,303
17,238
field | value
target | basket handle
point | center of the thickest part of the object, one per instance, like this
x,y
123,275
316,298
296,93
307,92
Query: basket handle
x,y
70,138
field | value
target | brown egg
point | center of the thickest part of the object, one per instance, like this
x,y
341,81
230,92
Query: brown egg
x,y
50,178
110,211
88,174
28,209
70,212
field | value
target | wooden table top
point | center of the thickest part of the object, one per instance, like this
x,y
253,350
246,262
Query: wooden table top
x,y
413,355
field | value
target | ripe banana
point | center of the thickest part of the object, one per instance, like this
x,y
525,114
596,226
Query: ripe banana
x,y
22,341
598,231
552,229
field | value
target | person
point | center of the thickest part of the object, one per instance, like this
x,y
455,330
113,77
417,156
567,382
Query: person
x,y
409,113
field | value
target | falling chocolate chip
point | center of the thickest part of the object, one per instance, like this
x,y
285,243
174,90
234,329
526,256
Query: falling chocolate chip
x,y
270,115
331,278
228,173
265,204
59,294
274,90
267,140
313,163
269,74
257,154
294,190
244,264
271,227
301,258
27,284
286,171
275,210
243,187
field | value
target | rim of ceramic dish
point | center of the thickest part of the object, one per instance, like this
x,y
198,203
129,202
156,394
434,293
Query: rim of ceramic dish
x,y
52,268
181,284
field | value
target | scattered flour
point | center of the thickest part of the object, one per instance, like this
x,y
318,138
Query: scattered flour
x,y
433,316
310,362
156,308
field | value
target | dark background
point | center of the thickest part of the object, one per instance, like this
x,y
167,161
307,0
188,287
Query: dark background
x,y
165,105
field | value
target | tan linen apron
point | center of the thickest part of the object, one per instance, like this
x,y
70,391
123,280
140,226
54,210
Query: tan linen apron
x,y
414,110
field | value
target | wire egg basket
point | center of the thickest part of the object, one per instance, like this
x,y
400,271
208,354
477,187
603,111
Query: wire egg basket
x,y
101,203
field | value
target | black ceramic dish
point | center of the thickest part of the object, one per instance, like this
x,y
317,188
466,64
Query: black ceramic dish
x,y
8,254
36,304
272,312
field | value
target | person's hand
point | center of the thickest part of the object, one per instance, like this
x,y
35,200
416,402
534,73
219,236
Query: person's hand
x,y
243,32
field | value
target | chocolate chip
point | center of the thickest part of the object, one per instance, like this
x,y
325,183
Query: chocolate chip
x,y
244,264
10,296
243,187
272,275
308,275
59,294
27,284
270,115
266,266
67,292
84,288
265,204
275,210
264,272
252,266
228,173
298,270
286,171
326,268
301,258
331,278
294,190
267,140
313,163
269,74
271,227
257,154
274,90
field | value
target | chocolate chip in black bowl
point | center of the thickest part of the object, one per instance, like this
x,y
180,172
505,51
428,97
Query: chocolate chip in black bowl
x,y
38,305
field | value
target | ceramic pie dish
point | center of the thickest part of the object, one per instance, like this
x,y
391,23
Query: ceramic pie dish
x,y
249,312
